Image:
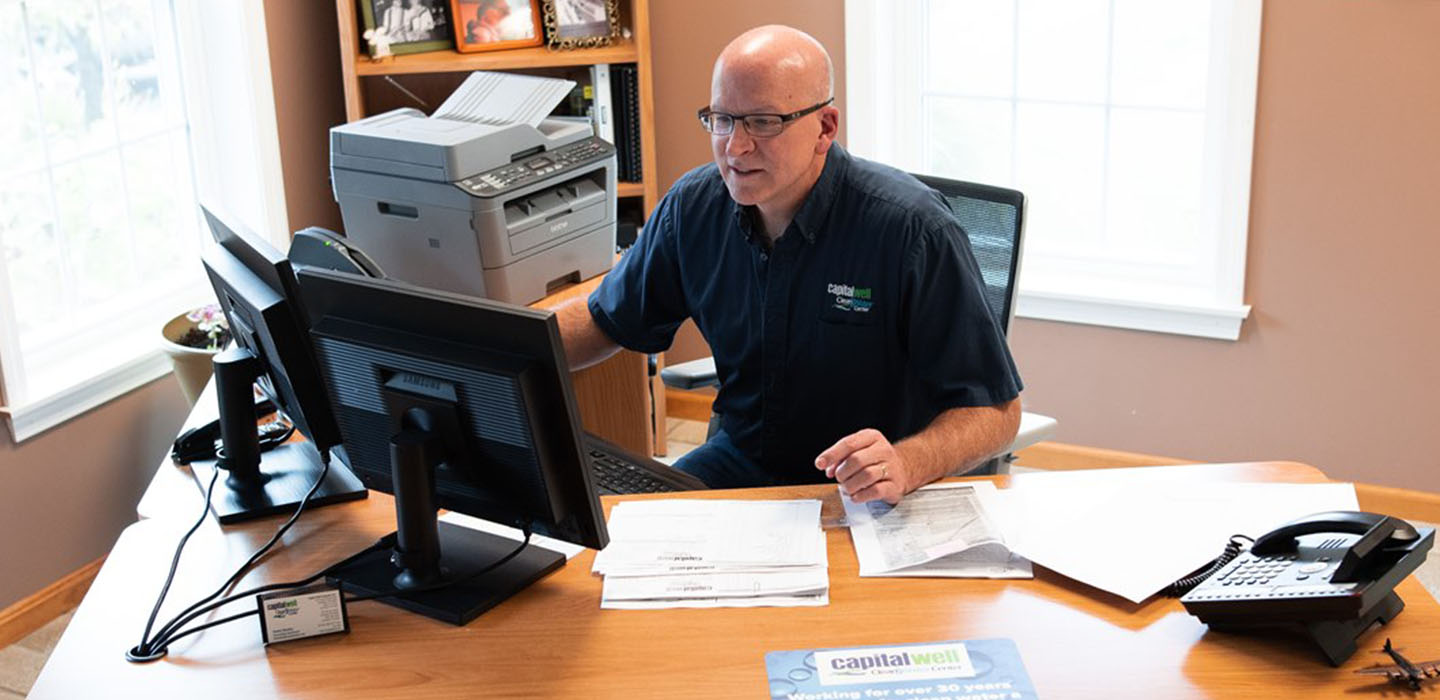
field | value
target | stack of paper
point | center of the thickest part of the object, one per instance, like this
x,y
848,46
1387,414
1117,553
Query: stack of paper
x,y
714,553
940,530
504,98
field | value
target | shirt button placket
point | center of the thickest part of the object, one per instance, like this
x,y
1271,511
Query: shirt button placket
x,y
776,333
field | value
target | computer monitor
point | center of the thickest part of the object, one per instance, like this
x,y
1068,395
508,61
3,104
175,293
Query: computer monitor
x,y
449,401
257,290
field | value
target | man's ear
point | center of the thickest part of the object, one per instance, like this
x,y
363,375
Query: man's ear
x,y
829,128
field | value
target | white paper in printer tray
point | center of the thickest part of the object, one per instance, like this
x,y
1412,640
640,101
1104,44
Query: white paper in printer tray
x,y
504,98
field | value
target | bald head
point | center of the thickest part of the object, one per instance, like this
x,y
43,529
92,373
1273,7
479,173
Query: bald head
x,y
782,72
778,61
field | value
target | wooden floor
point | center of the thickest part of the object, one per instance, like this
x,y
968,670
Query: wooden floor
x,y
681,436
20,663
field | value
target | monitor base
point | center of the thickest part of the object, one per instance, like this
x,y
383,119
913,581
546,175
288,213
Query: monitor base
x,y
289,472
463,550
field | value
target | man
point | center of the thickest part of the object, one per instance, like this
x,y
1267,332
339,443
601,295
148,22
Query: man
x,y
839,298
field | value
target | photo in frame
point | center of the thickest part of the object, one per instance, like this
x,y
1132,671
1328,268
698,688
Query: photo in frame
x,y
488,25
578,24
407,26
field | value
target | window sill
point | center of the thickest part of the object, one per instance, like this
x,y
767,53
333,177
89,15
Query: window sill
x,y
1205,321
32,419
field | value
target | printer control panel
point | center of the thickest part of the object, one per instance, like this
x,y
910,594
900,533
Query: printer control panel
x,y
537,167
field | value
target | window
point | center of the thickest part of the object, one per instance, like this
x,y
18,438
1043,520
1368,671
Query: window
x,y
98,223
1127,123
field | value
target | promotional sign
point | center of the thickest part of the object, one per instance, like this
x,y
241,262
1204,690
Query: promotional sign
x,y
977,669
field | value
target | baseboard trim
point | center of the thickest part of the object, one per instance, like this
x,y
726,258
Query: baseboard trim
x,y
1402,503
1062,456
34,611
689,405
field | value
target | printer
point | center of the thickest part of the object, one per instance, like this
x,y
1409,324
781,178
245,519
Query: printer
x,y
506,211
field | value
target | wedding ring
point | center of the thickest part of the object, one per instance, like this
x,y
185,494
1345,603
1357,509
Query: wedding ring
x,y
884,471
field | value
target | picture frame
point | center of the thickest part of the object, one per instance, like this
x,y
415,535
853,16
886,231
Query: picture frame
x,y
581,24
410,26
490,25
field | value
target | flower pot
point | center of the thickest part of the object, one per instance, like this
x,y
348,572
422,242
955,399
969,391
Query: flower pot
x,y
192,365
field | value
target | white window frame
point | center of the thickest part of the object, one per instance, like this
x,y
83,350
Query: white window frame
x,y
884,68
245,180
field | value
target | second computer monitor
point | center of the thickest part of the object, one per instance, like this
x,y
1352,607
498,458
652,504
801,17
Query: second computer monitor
x,y
258,292
291,381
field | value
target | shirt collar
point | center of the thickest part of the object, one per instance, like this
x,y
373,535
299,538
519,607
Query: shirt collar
x,y
814,210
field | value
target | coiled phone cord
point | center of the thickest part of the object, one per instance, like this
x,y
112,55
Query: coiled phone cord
x,y
1238,544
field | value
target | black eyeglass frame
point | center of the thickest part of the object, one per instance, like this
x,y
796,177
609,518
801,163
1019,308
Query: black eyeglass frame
x,y
705,112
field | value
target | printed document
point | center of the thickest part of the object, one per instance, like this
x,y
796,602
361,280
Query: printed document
x,y
941,530
693,535
697,553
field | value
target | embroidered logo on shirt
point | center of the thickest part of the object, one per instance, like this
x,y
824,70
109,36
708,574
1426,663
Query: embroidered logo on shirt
x,y
849,298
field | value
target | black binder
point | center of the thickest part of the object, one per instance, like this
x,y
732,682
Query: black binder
x,y
625,92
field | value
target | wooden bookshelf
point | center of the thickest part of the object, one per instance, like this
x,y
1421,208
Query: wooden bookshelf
x,y
618,399
356,68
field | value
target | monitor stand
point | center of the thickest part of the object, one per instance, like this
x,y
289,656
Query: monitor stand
x,y
415,575
274,483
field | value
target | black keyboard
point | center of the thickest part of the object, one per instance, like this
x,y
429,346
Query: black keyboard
x,y
619,472
616,475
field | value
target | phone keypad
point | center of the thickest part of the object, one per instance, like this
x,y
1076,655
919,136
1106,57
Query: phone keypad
x,y
1271,577
1252,570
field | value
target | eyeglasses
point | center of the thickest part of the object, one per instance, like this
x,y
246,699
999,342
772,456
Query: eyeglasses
x,y
761,125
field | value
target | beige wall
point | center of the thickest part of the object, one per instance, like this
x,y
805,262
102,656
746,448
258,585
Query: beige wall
x,y
68,492
1337,365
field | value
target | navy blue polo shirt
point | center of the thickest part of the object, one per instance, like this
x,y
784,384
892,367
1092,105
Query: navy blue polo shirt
x,y
867,313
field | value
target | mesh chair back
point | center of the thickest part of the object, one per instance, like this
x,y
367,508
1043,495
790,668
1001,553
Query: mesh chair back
x,y
994,220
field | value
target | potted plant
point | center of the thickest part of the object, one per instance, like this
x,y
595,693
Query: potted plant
x,y
191,340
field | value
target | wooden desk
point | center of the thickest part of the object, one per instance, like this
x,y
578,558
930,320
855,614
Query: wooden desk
x,y
553,640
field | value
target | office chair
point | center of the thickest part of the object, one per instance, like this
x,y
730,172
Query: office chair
x,y
994,221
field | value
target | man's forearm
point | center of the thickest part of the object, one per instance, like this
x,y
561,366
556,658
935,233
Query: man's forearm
x,y
959,439
585,343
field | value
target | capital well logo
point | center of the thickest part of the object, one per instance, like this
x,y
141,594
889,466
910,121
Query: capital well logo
x,y
851,298
907,663
283,608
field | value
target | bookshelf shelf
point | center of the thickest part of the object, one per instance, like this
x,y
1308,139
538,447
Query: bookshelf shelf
x,y
630,189
625,51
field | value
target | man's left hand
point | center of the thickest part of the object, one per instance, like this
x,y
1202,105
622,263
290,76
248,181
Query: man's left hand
x,y
867,467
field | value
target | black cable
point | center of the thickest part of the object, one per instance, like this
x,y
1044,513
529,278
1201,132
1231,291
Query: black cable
x,y
1232,550
144,647
401,592
210,624
170,626
161,643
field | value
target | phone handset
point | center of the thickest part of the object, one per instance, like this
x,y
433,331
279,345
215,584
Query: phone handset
x,y
1376,530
